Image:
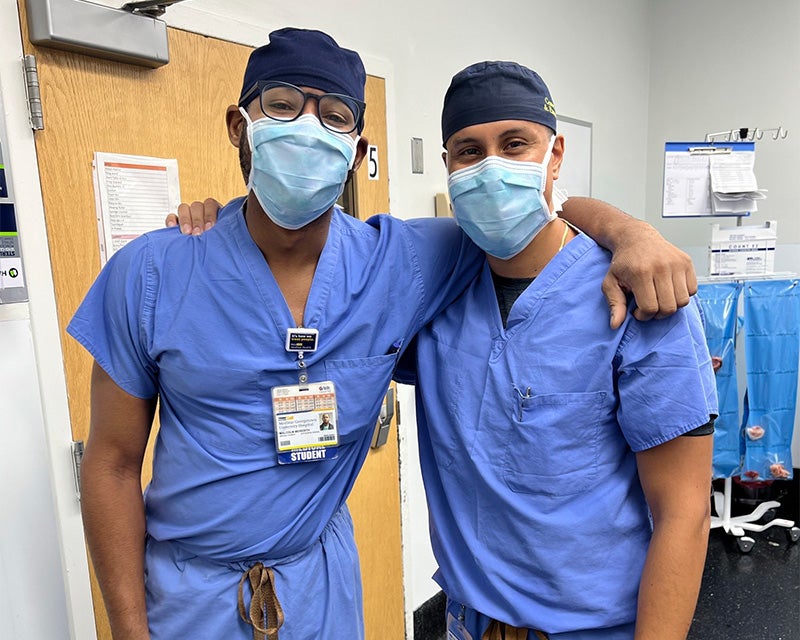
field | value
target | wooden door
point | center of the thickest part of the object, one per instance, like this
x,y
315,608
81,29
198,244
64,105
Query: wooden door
x,y
375,500
176,111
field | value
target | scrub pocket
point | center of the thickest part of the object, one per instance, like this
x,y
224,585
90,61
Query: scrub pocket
x,y
229,407
554,449
361,384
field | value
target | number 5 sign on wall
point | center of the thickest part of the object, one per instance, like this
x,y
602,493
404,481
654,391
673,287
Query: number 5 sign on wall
x,y
372,162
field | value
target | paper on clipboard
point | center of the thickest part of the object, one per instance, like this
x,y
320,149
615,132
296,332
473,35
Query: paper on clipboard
x,y
133,195
705,179
687,184
733,172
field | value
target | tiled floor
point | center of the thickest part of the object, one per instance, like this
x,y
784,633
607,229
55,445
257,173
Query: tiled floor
x,y
744,596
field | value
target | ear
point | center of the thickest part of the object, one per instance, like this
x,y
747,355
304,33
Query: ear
x,y
235,124
557,157
444,158
361,152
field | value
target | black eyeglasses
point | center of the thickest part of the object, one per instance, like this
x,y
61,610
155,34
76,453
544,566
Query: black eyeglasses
x,y
285,102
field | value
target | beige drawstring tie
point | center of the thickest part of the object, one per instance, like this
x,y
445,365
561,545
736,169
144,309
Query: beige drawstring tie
x,y
501,631
262,585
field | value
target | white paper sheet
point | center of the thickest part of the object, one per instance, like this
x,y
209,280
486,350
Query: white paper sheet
x,y
687,184
133,195
733,172
710,180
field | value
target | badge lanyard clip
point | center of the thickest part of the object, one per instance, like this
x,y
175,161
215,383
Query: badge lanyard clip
x,y
300,340
302,377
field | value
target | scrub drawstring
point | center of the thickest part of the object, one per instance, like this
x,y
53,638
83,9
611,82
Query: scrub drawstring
x,y
262,584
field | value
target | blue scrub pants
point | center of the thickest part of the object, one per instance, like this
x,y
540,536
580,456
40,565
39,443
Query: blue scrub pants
x,y
318,588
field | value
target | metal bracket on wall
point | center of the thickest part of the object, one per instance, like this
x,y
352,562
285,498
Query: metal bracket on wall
x,y
95,30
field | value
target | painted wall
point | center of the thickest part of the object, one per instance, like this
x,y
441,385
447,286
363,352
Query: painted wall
x,y
718,65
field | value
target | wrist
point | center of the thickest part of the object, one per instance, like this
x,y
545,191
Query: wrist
x,y
628,231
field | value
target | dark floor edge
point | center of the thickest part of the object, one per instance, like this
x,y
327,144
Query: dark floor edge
x,y
429,618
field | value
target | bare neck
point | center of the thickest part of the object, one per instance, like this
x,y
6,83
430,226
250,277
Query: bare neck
x,y
529,262
292,256
279,246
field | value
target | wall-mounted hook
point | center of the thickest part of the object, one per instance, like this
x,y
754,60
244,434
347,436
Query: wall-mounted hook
x,y
745,134
777,133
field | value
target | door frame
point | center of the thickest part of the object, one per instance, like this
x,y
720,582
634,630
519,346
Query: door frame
x,y
21,156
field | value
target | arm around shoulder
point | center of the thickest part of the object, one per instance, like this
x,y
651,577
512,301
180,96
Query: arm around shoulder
x,y
195,218
446,261
660,276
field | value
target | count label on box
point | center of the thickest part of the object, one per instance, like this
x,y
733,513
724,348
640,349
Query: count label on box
x,y
747,250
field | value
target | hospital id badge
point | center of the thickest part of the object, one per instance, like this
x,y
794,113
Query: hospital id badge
x,y
306,422
456,629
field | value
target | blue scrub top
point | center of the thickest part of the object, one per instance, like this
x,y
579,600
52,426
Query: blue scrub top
x,y
527,440
201,322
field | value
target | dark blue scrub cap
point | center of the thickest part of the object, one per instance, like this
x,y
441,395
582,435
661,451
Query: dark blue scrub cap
x,y
491,91
309,58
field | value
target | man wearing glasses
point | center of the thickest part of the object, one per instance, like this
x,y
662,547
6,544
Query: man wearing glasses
x,y
286,310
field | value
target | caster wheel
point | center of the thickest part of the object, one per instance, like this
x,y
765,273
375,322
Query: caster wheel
x,y
769,515
745,543
793,534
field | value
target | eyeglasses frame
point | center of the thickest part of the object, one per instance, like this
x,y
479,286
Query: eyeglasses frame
x,y
261,85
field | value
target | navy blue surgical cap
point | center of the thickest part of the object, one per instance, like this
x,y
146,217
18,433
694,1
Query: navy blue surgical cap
x,y
492,91
308,58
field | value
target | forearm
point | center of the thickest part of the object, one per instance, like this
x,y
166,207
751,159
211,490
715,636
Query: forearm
x,y
660,276
671,578
604,223
113,514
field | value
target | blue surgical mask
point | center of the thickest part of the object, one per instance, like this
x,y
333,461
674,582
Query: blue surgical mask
x,y
298,168
500,203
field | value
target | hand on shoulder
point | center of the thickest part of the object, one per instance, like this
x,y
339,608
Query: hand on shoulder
x,y
195,218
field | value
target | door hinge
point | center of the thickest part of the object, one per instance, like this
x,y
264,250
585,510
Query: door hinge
x,y
77,458
32,90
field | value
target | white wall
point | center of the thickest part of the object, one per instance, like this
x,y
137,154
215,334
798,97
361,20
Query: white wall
x,y
718,65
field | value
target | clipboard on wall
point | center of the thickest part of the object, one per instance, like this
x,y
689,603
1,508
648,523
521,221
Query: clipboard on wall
x,y
687,187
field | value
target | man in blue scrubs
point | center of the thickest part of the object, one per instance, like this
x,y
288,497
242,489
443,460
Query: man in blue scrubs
x,y
286,310
565,501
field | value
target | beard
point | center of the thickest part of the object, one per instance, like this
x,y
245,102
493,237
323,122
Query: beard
x,y
245,156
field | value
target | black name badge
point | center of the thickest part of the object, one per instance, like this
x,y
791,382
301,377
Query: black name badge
x,y
300,339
